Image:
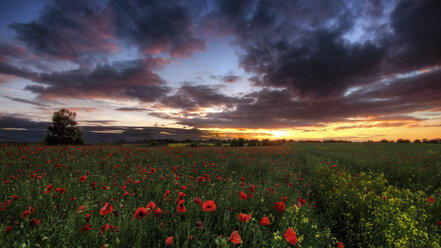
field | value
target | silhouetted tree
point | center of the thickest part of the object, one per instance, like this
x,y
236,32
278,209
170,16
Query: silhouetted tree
x,y
253,142
265,142
64,130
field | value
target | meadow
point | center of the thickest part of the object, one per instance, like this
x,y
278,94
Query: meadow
x,y
296,195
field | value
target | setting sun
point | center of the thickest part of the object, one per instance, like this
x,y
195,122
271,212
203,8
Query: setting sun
x,y
278,134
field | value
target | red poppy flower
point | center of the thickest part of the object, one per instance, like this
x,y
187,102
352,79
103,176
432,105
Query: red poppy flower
x,y
180,196
252,188
290,236
264,221
60,190
243,196
301,202
85,228
8,229
191,237
2,206
197,200
244,217
235,238
140,213
35,222
158,212
431,200
49,188
14,197
279,206
339,245
81,208
181,207
169,241
108,227
107,209
88,217
200,179
82,178
150,207
25,214
31,210
167,192
208,206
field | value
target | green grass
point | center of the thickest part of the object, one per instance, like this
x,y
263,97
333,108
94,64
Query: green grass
x,y
364,195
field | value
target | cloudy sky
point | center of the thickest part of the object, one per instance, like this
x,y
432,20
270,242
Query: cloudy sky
x,y
317,69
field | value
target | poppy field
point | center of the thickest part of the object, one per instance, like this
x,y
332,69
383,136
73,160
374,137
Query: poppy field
x,y
296,195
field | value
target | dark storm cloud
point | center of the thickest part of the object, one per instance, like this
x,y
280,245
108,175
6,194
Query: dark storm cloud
x,y
323,66
35,103
124,79
278,109
304,46
79,30
299,45
195,97
417,35
72,30
8,69
10,121
134,79
85,32
158,25
7,49
128,79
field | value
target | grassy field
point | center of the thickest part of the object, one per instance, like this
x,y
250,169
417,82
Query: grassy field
x,y
298,195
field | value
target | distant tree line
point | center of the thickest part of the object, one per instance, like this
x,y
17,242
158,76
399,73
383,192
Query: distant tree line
x,y
208,142
432,141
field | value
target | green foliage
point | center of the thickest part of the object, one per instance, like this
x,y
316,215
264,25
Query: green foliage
x,y
370,213
352,195
63,129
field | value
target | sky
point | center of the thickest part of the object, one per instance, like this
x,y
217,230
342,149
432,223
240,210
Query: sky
x,y
279,69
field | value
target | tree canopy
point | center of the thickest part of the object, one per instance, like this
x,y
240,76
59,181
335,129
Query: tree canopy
x,y
63,129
